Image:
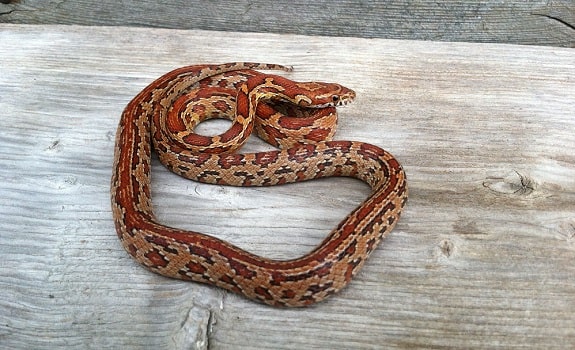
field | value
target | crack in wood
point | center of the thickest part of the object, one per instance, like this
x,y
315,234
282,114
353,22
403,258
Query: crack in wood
x,y
8,2
555,19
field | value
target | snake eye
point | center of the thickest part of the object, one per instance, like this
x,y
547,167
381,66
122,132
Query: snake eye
x,y
335,98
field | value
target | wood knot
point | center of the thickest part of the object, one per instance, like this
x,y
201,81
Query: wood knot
x,y
516,183
446,247
567,230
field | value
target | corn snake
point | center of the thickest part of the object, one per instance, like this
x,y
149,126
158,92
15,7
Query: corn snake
x,y
199,257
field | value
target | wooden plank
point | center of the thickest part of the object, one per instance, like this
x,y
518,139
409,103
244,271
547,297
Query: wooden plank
x,y
483,256
538,22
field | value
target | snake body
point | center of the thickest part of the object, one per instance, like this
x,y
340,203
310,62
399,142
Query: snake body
x,y
148,121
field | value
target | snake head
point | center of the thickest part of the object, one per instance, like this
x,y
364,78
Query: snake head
x,y
304,94
320,95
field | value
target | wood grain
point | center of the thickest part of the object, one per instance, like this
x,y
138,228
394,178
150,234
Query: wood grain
x,y
482,258
518,22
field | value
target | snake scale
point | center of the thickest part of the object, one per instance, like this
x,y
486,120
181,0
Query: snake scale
x,y
162,117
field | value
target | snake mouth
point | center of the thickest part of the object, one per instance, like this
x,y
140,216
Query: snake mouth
x,y
340,103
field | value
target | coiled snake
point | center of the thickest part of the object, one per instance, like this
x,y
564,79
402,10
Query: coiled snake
x,y
162,115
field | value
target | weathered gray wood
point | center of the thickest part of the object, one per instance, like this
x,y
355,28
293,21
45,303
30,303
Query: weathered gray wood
x,y
483,256
520,22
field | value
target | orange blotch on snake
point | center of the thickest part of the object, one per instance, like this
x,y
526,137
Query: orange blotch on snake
x,y
156,258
